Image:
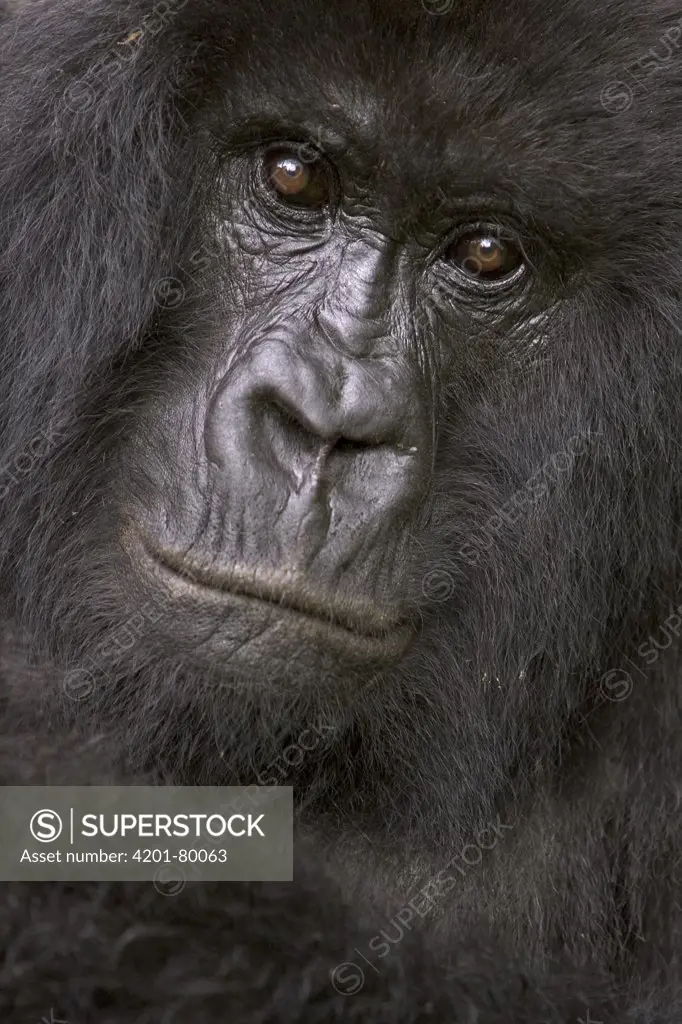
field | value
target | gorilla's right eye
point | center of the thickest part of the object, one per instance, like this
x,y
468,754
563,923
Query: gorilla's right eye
x,y
295,181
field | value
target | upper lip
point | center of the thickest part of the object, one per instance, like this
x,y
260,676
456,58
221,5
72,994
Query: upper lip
x,y
287,589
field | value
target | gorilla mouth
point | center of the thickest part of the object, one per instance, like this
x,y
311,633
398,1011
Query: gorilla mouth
x,y
380,632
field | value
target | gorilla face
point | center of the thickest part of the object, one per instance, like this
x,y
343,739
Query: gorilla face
x,y
301,470
290,482
366,404
302,450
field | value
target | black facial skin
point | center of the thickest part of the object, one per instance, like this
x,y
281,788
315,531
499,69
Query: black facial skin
x,y
311,442
302,473
340,397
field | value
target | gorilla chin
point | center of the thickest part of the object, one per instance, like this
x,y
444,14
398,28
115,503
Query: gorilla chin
x,y
244,613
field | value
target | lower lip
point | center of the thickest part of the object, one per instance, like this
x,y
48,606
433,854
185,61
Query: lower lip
x,y
385,647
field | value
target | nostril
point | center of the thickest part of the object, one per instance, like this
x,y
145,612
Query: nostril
x,y
284,424
347,444
287,416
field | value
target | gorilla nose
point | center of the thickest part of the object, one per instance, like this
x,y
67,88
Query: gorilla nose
x,y
338,410
298,410
303,449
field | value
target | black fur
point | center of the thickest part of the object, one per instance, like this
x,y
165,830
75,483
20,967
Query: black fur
x,y
505,714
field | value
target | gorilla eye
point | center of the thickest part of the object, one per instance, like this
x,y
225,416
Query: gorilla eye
x,y
486,256
297,182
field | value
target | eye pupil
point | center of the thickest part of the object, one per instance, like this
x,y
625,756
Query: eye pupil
x,y
293,169
486,256
296,182
288,175
488,250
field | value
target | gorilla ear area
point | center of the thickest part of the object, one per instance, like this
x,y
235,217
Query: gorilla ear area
x,y
340,433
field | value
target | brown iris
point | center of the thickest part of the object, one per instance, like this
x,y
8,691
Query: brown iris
x,y
296,181
485,255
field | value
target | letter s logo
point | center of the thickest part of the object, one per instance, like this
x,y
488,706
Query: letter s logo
x,y
46,826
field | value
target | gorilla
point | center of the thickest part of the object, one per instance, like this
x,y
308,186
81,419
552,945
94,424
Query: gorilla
x,y
341,449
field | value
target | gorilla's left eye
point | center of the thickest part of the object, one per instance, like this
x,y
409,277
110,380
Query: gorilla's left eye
x,y
485,255
297,182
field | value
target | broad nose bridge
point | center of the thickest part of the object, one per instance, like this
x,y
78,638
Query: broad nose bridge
x,y
355,312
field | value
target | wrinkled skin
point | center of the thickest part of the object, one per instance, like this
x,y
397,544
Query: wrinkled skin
x,y
340,397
